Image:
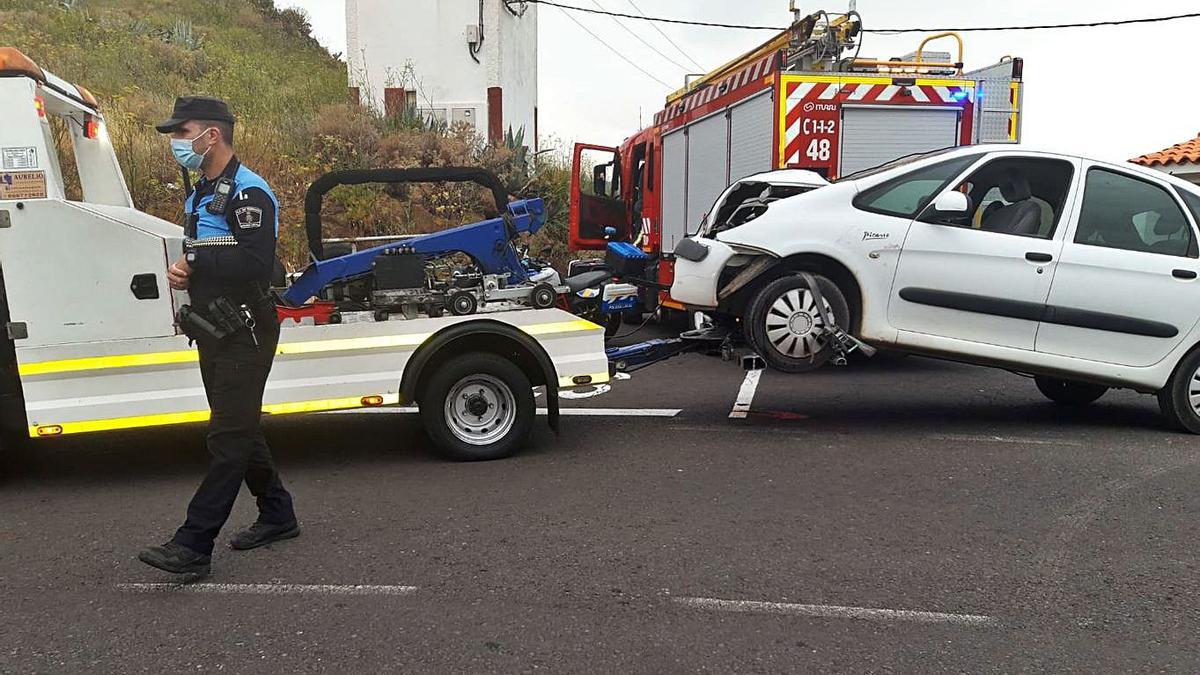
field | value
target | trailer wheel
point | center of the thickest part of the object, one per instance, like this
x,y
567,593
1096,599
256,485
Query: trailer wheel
x,y
462,303
543,296
785,328
477,407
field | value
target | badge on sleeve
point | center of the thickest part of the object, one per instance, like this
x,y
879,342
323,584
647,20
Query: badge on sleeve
x,y
249,217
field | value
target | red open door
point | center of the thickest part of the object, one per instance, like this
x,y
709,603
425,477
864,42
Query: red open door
x,y
597,201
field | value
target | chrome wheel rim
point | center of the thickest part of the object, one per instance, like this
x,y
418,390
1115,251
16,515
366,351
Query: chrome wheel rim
x,y
794,326
480,409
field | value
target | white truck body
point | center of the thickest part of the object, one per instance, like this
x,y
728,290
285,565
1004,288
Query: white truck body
x,y
90,318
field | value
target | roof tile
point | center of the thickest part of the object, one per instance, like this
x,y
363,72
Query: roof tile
x,y
1181,153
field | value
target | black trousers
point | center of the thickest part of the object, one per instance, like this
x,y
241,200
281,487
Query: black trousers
x,y
235,374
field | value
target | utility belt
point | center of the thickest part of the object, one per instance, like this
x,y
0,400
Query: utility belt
x,y
221,318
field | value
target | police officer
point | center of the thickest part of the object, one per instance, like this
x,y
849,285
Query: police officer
x,y
229,253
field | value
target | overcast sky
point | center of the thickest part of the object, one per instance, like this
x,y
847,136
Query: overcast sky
x,y
1103,92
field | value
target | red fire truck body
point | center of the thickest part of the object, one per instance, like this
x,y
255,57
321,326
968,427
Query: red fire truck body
x,y
791,103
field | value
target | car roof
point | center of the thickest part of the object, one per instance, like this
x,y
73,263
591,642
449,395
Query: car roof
x,y
786,177
1035,152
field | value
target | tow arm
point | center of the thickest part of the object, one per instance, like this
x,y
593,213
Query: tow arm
x,y
711,340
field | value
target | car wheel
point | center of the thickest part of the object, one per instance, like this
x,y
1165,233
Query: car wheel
x,y
786,329
477,407
1069,392
1180,399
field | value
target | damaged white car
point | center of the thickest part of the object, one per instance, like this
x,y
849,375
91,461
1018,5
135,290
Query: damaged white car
x,y
1079,272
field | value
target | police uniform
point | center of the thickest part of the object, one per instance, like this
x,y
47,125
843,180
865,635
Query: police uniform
x,y
232,255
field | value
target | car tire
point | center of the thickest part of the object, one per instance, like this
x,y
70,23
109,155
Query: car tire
x,y
783,326
1176,400
1069,392
477,407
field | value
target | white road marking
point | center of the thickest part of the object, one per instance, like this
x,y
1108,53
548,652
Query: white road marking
x,y
267,589
968,438
837,612
745,396
568,412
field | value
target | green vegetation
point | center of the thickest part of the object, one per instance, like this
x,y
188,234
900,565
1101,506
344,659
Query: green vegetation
x,y
294,120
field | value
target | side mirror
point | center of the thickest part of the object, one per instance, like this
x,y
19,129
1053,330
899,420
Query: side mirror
x,y
953,203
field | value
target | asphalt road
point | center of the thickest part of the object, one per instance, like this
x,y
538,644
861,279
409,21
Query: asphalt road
x,y
899,515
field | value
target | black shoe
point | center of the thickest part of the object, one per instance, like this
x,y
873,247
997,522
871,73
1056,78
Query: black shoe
x,y
261,534
177,559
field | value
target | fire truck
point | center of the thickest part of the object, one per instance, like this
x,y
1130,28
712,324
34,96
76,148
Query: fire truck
x,y
795,102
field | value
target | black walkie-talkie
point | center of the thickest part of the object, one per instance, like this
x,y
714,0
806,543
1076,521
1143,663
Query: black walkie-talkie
x,y
222,192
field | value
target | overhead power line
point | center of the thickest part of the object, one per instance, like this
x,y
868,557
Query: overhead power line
x,y
615,51
667,37
888,31
643,41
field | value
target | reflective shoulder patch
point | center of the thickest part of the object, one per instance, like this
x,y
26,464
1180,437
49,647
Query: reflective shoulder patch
x,y
249,217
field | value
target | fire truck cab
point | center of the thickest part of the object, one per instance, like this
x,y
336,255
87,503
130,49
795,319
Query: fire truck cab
x,y
794,102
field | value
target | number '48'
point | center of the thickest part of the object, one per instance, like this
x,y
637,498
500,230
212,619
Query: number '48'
x,y
818,150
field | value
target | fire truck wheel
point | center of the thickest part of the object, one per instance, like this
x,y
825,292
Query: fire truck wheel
x,y
462,303
477,407
785,328
543,296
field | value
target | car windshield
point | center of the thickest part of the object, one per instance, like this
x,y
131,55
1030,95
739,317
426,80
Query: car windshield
x,y
895,163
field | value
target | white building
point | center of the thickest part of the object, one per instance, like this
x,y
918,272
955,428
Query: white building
x,y
472,61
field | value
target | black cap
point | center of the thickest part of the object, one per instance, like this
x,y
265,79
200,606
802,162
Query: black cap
x,y
195,108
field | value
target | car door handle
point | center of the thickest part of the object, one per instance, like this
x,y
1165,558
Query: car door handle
x,y
1183,274
1034,256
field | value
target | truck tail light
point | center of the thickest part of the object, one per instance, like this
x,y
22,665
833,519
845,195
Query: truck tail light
x,y
40,105
91,127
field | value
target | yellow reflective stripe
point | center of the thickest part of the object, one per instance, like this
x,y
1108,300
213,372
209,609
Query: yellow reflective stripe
x,y
165,419
284,349
579,325
966,84
1015,100
105,362
351,344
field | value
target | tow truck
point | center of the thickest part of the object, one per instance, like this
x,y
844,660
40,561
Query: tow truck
x,y
90,341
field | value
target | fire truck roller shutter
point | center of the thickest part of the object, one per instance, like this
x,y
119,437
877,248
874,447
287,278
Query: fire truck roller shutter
x,y
708,167
750,137
872,136
674,189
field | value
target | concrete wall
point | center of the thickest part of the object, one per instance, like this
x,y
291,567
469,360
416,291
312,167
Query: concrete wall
x,y
385,37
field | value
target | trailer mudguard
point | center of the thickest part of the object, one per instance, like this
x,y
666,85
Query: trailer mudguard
x,y
489,335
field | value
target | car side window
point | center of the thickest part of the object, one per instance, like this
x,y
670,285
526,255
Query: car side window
x,y
1023,196
1121,211
1192,201
905,196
